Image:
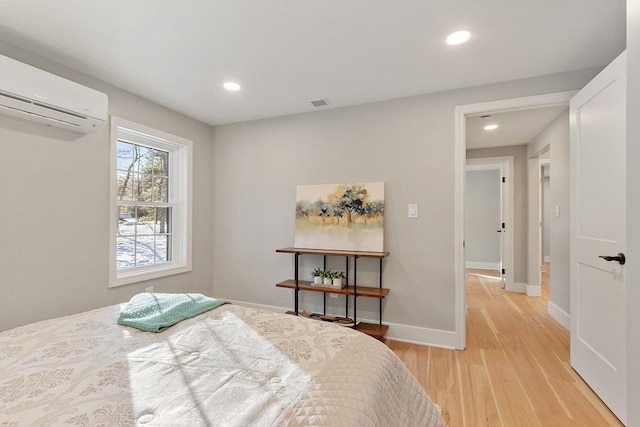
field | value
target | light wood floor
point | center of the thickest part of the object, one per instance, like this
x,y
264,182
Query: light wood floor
x,y
515,370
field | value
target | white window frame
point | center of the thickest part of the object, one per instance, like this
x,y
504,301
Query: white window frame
x,y
180,198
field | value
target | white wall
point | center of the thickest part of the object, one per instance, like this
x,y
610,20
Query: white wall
x,y
519,180
54,208
407,143
482,219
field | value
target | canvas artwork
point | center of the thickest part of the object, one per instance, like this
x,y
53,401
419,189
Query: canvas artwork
x,y
340,217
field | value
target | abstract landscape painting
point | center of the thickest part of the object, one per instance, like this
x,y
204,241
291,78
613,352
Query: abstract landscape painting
x,y
340,217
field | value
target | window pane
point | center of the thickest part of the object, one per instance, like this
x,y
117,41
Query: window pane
x,y
162,224
160,189
142,187
161,163
162,248
144,224
126,221
144,250
125,252
125,186
125,156
144,157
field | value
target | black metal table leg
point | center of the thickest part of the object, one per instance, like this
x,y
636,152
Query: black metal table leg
x,y
380,285
355,291
296,256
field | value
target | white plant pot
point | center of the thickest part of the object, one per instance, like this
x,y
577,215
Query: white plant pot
x,y
327,281
337,283
317,280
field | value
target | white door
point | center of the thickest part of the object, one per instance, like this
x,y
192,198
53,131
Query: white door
x,y
598,228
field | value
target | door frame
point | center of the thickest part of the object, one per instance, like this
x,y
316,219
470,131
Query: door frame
x,y
534,247
460,146
506,170
541,207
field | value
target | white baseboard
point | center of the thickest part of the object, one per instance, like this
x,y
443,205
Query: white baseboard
x,y
483,265
397,331
422,336
260,306
520,288
534,290
559,315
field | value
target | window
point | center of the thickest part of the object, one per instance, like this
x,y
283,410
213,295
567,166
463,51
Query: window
x,y
151,203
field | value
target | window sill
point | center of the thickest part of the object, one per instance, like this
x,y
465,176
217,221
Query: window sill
x,y
135,276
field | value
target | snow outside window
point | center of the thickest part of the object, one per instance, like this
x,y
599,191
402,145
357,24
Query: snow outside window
x,y
151,203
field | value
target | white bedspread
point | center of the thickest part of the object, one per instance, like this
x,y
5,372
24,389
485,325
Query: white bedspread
x,y
232,366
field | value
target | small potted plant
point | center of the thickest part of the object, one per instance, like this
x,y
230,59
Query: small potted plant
x,y
327,278
337,279
317,275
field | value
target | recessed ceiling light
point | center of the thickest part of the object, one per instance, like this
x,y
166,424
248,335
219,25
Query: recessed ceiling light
x,y
458,37
232,86
490,127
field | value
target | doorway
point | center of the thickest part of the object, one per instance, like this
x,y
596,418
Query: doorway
x,y
489,219
461,114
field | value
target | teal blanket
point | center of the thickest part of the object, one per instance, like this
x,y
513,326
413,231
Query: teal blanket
x,y
156,312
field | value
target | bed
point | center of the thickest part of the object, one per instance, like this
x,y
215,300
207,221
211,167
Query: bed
x,y
231,366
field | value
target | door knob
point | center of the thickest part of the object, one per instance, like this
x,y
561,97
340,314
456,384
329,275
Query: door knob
x,y
620,258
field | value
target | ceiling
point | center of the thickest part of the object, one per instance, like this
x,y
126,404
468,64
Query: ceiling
x,y
288,53
514,127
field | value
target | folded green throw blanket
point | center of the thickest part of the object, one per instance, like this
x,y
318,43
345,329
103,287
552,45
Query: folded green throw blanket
x,y
156,312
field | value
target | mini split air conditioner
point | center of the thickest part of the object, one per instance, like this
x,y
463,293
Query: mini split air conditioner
x,y
30,93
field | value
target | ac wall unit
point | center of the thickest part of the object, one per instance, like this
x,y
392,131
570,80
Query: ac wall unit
x,y
30,93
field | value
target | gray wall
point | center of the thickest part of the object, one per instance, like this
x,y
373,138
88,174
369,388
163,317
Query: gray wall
x,y
556,136
407,143
244,192
482,217
519,153
54,233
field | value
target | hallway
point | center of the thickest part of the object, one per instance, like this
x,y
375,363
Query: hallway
x,y
515,370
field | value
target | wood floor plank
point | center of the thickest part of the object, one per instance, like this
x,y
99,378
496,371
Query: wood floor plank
x,y
514,406
443,384
478,410
515,370
471,357
540,394
416,357
485,337
588,410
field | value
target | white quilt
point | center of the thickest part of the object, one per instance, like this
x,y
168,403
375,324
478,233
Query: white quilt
x,y
232,366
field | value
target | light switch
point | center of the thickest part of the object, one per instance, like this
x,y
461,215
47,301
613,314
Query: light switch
x,y
413,210
557,211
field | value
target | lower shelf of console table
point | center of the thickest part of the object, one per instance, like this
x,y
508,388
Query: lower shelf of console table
x,y
374,330
378,331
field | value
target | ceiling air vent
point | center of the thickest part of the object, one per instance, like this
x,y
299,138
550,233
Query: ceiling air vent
x,y
321,102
